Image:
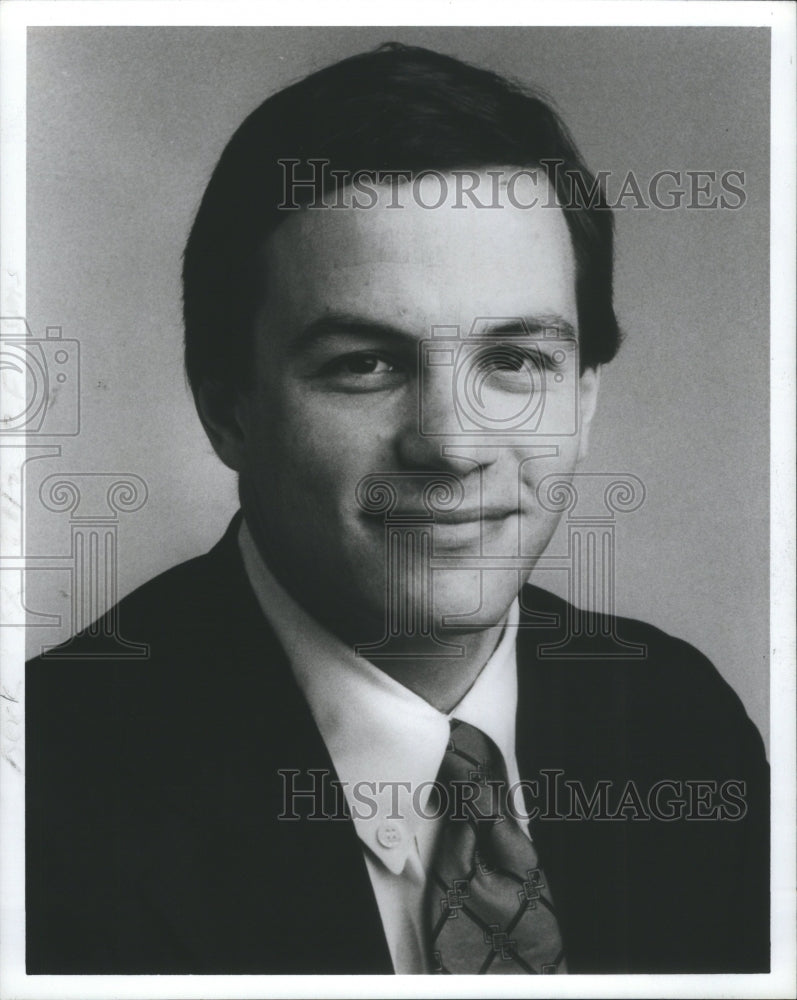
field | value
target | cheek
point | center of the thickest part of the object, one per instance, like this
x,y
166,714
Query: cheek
x,y
309,453
537,472
285,430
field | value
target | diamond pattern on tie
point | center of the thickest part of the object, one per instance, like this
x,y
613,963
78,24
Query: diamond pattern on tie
x,y
489,906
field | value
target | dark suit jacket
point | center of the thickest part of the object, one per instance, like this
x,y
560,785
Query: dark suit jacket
x,y
153,844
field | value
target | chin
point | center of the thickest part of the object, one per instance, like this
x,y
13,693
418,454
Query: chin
x,y
461,601
473,599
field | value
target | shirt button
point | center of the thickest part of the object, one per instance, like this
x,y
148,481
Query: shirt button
x,y
388,835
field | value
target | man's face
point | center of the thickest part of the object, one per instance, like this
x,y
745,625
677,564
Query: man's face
x,y
338,395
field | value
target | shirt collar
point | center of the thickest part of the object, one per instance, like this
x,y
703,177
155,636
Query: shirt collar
x,y
386,742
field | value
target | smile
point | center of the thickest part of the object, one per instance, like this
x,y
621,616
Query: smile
x,y
475,515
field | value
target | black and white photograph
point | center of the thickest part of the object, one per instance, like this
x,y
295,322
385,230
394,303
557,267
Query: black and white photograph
x,y
397,501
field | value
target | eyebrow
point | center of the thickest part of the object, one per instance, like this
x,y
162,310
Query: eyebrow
x,y
546,324
340,324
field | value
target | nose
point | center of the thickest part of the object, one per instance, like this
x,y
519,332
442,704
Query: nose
x,y
431,436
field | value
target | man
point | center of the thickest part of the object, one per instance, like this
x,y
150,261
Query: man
x,y
361,741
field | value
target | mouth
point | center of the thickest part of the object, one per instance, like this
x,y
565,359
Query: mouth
x,y
465,529
476,514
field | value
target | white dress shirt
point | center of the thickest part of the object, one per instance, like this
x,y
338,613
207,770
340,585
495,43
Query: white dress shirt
x,y
376,730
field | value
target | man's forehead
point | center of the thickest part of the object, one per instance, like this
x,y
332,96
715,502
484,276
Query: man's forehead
x,y
453,260
430,211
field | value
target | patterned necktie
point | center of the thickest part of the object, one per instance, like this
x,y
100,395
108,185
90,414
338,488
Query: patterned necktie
x,y
490,908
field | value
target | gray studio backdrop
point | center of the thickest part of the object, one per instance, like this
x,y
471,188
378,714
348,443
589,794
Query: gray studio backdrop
x,y
124,127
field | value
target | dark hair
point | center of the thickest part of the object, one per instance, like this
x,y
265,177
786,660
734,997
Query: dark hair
x,y
397,108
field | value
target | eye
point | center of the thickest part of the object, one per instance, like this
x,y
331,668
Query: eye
x,y
504,359
363,364
510,359
360,371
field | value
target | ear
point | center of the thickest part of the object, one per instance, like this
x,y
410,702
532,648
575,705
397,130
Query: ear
x,y
589,383
221,411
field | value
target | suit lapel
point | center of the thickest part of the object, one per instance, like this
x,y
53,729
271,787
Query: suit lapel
x,y
561,736
251,887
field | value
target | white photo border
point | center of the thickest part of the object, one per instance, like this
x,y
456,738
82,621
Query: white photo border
x,y
15,17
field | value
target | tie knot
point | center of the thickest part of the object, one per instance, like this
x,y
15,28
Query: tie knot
x,y
470,756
